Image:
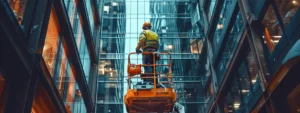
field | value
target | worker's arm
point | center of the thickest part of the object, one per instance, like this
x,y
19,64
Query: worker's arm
x,y
142,39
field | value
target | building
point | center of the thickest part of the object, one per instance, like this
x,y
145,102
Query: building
x,y
70,56
251,49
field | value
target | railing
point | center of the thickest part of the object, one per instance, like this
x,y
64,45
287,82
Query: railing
x,y
174,56
154,77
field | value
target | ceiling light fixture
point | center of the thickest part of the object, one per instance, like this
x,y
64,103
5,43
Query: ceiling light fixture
x,y
170,47
245,91
294,2
114,4
236,105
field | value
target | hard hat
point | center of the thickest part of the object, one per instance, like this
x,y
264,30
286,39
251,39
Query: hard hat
x,y
146,24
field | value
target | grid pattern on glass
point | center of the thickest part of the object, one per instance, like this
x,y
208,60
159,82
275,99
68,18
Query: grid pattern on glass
x,y
231,44
222,21
122,24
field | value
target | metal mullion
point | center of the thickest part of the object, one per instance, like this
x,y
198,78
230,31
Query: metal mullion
x,y
72,53
85,24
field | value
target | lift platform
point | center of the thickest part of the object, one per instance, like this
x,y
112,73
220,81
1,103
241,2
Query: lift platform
x,y
158,96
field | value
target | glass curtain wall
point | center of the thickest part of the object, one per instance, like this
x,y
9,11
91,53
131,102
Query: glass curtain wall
x,y
59,67
273,31
74,19
122,22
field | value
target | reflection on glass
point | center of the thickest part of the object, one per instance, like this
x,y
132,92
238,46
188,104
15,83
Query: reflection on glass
x,y
51,43
59,68
196,46
225,11
210,9
121,26
273,31
248,76
18,7
65,82
79,34
231,44
90,14
233,98
287,9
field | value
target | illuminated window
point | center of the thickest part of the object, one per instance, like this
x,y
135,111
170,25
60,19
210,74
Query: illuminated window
x,y
272,29
18,7
51,42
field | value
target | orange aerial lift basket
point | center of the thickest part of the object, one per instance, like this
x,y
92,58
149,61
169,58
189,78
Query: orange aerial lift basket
x,y
158,96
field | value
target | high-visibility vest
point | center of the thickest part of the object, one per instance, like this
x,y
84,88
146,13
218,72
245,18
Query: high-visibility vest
x,y
151,39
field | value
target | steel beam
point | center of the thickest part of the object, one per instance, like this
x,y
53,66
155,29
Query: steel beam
x,y
73,54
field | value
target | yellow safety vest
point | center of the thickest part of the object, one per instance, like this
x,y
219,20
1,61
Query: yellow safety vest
x,y
147,39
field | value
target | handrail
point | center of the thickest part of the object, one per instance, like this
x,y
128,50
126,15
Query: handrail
x,y
154,68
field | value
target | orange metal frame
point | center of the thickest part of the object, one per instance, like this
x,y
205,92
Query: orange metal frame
x,y
154,100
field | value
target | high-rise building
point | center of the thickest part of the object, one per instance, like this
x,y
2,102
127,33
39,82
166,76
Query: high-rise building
x,y
71,56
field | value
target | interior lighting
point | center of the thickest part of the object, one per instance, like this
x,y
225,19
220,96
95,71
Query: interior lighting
x,y
276,36
294,2
236,105
219,26
170,47
106,9
114,4
245,91
253,81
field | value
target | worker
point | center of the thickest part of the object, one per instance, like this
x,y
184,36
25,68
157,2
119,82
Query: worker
x,y
148,42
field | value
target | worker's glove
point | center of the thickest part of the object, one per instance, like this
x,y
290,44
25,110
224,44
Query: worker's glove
x,y
138,51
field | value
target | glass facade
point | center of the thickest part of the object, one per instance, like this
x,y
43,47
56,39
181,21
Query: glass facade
x,y
52,41
223,21
230,47
222,61
123,22
276,20
59,66
18,8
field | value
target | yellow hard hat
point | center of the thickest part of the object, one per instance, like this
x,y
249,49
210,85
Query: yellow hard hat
x,y
146,24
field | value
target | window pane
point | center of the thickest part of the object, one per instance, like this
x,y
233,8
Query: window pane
x,y
287,9
90,14
233,98
230,46
224,17
272,30
18,7
51,43
248,77
210,9
79,34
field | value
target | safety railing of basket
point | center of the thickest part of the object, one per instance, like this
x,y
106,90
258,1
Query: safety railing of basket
x,y
154,69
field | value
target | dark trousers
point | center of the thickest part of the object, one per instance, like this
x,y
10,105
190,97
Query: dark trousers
x,y
148,59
